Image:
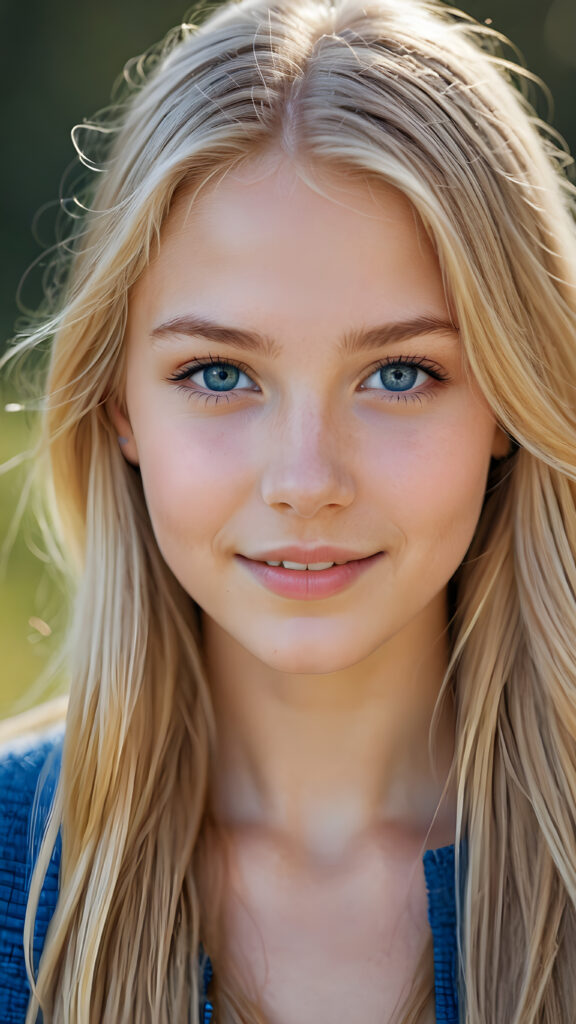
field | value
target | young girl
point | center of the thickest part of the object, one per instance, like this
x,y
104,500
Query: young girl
x,y
310,432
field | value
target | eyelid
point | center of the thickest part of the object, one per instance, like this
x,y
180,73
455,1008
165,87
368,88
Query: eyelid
x,y
423,362
198,363
434,369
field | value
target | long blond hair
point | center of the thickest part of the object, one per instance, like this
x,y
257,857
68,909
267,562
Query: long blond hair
x,y
417,95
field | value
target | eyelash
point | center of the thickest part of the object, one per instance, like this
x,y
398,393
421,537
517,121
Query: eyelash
x,y
418,362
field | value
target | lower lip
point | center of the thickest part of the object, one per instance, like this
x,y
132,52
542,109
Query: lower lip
x,y
309,584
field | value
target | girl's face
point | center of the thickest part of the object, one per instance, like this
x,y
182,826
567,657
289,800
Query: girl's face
x,y
293,379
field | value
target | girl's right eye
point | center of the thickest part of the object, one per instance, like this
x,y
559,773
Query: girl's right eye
x,y
218,378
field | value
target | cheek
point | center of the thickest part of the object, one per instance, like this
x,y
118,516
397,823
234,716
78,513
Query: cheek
x,y
454,502
193,481
434,482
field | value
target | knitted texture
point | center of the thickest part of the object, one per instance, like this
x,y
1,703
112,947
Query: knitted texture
x,y
439,874
28,770
28,776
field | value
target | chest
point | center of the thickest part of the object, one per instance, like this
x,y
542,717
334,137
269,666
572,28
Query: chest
x,y
333,948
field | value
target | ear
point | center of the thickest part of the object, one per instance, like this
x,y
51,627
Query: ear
x,y
502,444
122,426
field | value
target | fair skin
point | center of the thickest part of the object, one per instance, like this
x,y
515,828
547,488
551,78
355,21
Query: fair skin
x,y
323,784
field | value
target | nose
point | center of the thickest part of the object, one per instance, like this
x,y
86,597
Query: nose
x,y
308,463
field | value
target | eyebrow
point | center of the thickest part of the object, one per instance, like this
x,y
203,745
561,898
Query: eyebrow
x,y
352,342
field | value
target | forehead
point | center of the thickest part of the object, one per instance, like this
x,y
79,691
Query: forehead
x,y
267,240
273,190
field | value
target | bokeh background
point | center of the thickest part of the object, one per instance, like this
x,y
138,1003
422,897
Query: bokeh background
x,y
58,63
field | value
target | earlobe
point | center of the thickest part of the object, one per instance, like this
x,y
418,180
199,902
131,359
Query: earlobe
x,y
123,429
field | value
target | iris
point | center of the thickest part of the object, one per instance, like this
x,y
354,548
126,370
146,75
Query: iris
x,y
399,378
221,377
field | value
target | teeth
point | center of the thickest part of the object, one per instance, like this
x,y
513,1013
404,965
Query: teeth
x,y
315,566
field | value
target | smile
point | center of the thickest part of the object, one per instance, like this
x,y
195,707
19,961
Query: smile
x,y
308,582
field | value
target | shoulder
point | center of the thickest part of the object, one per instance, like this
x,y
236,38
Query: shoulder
x,y
29,770
30,750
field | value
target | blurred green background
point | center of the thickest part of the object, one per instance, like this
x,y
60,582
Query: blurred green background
x,y
58,63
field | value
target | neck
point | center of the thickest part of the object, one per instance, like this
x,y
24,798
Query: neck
x,y
326,760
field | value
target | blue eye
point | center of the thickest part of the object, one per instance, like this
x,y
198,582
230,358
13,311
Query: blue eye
x,y
400,378
222,377
411,377
214,375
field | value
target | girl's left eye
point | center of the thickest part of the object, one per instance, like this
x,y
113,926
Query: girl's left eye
x,y
400,377
397,377
405,379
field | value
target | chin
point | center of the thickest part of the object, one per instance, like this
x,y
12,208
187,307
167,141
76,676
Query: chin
x,y
298,658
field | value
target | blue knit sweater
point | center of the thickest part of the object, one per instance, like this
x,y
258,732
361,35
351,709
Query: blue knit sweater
x,y
29,770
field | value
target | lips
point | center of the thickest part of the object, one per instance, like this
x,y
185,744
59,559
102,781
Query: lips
x,y
309,585
311,555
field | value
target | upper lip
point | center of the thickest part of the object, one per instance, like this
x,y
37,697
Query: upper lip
x,y
309,556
